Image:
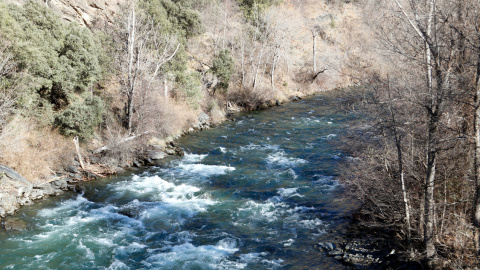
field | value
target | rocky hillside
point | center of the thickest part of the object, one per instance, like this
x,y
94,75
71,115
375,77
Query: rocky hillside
x,y
84,12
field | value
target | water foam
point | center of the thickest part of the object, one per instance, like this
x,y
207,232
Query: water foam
x,y
189,256
192,158
289,192
206,170
281,159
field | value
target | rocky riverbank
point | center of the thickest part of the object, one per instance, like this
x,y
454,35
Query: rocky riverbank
x,y
16,191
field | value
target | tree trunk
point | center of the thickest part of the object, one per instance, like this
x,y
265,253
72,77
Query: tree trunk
x,y
476,159
314,35
428,237
131,76
165,85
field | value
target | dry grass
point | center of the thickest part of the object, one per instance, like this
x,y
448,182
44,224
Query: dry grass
x,y
34,153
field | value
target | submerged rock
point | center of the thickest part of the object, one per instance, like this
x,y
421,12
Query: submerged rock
x,y
14,224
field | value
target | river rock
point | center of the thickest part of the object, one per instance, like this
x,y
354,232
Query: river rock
x,y
71,169
14,224
295,98
203,119
327,246
9,204
156,155
44,190
14,190
137,163
60,184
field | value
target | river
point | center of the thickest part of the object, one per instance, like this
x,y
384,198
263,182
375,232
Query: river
x,y
254,193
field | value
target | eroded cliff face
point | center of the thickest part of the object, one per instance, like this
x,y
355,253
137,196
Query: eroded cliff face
x,y
84,12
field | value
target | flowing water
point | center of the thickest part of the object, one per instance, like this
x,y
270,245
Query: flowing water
x,y
255,193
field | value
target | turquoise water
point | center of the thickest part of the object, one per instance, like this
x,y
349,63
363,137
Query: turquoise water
x,y
255,193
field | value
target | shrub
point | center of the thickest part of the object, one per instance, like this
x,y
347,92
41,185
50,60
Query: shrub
x,y
81,118
57,58
192,89
223,67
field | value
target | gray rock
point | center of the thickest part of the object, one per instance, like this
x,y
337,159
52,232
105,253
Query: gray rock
x,y
170,150
137,163
295,98
71,168
179,152
203,119
156,155
12,174
37,194
14,224
60,184
47,189
9,204
336,252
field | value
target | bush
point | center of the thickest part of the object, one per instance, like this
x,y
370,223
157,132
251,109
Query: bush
x,y
223,67
57,58
192,89
252,7
81,118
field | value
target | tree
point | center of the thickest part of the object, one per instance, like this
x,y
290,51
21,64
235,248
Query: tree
x,y
143,50
223,67
59,59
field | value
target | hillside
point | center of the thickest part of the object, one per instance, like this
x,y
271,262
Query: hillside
x,y
219,61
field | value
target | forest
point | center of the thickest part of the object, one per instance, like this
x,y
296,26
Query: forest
x,y
414,156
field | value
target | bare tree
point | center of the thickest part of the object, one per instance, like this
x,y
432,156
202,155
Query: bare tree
x,y
143,50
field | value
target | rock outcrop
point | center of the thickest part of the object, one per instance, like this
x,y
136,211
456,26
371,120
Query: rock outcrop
x,y
84,12
16,191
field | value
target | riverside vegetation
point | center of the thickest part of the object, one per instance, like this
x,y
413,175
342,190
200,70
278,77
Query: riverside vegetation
x,y
162,68
124,85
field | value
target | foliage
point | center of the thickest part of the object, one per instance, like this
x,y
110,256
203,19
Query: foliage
x,y
174,16
223,68
251,8
58,58
81,118
192,89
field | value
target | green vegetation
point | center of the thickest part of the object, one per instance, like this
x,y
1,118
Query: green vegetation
x,y
252,7
81,118
57,59
223,68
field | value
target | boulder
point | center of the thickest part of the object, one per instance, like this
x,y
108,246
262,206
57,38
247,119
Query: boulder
x,y
14,190
137,163
156,155
14,224
71,169
204,119
45,190
60,184
9,204
295,98
157,142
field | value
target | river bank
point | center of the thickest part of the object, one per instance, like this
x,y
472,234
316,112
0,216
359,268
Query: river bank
x,y
16,191
255,193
